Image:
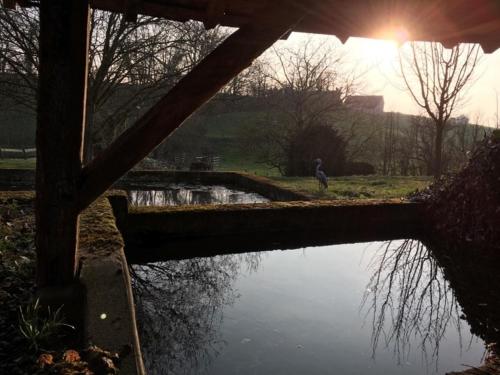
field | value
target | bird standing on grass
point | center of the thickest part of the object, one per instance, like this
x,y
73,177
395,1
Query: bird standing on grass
x,y
320,175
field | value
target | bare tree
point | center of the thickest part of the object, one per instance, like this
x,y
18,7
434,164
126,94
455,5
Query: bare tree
x,y
253,81
131,65
408,298
182,334
135,63
19,57
306,84
310,81
437,78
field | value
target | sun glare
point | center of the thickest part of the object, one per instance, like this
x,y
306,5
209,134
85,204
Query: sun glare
x,y
374,53
397,34
382,52
401,35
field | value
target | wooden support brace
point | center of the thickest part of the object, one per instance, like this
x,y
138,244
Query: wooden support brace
x,y
286,35
232,56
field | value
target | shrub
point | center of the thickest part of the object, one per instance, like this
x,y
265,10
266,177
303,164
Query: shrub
x,y
313,142
358,168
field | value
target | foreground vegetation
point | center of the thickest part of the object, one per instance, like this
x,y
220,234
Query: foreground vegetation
x,y
17,270
34,339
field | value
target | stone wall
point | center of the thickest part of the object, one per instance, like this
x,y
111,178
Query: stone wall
x,y
17,179
159,179
109,308
25,179
154,233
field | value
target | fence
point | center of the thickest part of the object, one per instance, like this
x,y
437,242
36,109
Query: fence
x,y
184,161
17,153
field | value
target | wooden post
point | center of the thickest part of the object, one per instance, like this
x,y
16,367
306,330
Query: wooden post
x,y
233,55
64,38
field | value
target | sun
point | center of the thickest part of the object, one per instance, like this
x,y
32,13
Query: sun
x,y
383,52
375,53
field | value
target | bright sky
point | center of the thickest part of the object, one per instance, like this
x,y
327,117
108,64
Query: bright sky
x,y
381,78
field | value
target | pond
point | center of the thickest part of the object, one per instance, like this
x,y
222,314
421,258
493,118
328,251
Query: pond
x,y
181,194
378,308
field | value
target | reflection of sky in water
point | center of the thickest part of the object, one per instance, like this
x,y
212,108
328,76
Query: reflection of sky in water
x,y
302,312
180,194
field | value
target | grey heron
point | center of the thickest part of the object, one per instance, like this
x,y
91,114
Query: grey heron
x,y
320,175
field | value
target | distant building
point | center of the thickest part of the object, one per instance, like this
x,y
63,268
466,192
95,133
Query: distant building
x,y
460,120
366,103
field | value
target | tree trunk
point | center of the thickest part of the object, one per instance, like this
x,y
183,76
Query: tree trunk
x,y
64,36
438,150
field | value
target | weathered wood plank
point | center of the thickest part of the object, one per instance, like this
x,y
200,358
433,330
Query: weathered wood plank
x,y
64,36
233,55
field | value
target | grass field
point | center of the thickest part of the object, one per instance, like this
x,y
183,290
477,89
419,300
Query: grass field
x,y
352,187
356,187
17,163
248,167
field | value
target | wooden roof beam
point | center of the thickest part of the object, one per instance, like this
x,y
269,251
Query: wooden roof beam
x,y
12,4
171,12
231,57
9,4
215,12
132,10
426,20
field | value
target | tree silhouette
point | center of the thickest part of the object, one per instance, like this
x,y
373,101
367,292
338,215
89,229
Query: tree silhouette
x,y
407,297
437,79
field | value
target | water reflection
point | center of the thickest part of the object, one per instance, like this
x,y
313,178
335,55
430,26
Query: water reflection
x,y
180,194
410,301
179,309
297,312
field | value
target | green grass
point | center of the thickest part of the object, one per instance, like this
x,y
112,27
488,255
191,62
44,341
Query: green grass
x,y
356,187
17,163
258,169
349,187
352,187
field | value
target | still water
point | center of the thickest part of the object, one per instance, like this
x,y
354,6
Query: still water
x,y
378,308
180,194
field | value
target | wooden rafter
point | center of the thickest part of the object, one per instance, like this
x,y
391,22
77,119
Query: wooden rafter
x,y
215,12
444,21
132,10
232,56
10,4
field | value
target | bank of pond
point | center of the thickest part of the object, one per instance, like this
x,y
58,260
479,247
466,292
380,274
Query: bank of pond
x,y
383,307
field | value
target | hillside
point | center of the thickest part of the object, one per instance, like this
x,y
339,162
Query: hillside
x,y
233,128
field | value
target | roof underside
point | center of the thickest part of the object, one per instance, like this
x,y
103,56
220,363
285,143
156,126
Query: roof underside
x,y
446,21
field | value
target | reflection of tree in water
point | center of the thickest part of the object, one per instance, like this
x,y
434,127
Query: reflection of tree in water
x,y
180,194
408,298
179,309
